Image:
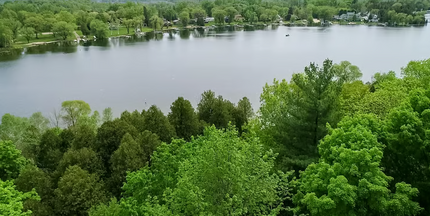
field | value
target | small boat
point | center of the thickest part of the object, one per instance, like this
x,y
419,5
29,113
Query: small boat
x,y
287,35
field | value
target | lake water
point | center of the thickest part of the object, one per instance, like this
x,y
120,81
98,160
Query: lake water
x,y
133,74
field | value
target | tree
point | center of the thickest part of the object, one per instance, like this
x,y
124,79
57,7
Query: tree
x,y
351,98
348,179
419,70
6,36
313,106
135,118
112,209
99,29
183,118
128,23
149,142
208,6
128,157
63,29
11,202
214,110
200,15
49,151
83,137
109,137
243,113
184,17
31,179
73,110
156,122
14,25
107,115
219,15
405,133
155,22
36,22
251,17
231,13
65,16
347,72
11,161
85,158
207,183
77,191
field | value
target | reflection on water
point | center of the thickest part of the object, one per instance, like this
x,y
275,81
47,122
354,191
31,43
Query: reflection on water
x,y
185,34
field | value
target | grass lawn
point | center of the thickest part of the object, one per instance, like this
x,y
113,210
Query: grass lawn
x,y
42,38
121,31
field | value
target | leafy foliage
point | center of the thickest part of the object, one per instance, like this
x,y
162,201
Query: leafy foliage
x,y
11,161
11,200
77,191
348,179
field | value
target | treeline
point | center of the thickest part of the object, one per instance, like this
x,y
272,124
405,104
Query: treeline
x,y
27,19
325,143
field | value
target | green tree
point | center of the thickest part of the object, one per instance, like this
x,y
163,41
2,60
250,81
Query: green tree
x,y
128,23
77,191
200,15
49,151
347,72
406,135
85,158
73,110
65,16
14,25
351,98
208,6
107,115
243,113
109,137
36,22
348,179
113,208
214,110
207,183
184,17
128,157
135,118
83,137
63,29
293,116
99,29
219,15
251,17
231,13
419,70
11,161
32,178
156,122
11,202
6,36
183,118
155,22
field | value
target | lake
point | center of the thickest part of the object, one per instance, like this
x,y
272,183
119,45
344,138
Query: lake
x,y
129,74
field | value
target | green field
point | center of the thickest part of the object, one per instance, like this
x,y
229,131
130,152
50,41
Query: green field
x,y
42,38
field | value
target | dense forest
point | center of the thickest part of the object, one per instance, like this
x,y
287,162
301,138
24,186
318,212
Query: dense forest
x,y
25,21
324,143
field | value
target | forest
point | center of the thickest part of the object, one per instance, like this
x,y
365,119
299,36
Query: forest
x,y
22,22
324,143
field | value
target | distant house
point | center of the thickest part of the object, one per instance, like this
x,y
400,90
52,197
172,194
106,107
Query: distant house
x,y
209,19
347,16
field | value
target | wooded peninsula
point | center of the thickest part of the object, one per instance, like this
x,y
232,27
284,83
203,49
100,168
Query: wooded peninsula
x,y
23,23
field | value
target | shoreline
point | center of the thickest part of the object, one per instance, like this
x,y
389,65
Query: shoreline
x,y
78,40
